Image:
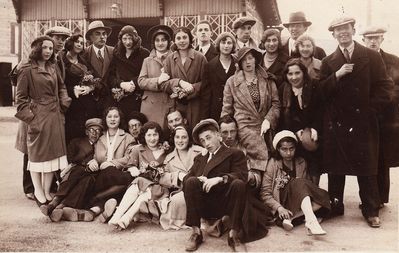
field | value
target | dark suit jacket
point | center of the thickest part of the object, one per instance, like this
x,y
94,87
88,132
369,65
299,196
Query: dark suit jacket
x,y
211,53
212,92
227,161
277,67
80,151
319,52
352,104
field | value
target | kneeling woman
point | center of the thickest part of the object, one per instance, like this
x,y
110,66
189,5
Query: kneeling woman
x,y
147,160
287,188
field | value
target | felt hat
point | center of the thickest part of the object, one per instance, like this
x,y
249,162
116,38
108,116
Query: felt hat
x,y
297,18
58,30
201,125
94,122
127,29
343,20
373,31
282,134
97,24
243,51
155,30
243,21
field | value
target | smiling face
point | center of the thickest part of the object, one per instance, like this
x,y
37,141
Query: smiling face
x,y
151,138
226,46
47,50
210,140
295,76
306,49
174,119
296,30
99,37
113,119
248,62
181,139
78,45
343,34
203,33
161,43
271,44
182,40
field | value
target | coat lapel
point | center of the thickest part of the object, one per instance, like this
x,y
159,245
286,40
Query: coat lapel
x,y
359,59
177,60
239,81
262,84
220,156
107,60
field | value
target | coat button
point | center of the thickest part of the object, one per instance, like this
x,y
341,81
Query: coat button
x,y
357,110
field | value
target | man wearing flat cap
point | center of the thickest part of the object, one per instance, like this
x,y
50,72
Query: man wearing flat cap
x,y
242,28
78,180
389,120
215,185
356,88
59,34
99,56
298,25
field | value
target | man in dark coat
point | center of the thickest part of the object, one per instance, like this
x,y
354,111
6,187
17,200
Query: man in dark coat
x,y
297,25
59,34
215,185
389,120
355,87
203,32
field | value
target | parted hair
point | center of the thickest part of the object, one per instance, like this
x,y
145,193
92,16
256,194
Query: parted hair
x,y
187,31
70,41
180,127
147,126
296,61
36,46
121,116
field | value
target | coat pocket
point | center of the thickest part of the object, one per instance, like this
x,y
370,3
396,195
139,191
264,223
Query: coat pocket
x,y
26,115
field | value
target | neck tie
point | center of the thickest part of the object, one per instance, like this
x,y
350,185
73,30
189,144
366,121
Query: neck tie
x,y
100,57
245,45
210,157
346,55
201,51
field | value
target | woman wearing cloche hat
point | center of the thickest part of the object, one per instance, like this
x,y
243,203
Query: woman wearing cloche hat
x,y
125,69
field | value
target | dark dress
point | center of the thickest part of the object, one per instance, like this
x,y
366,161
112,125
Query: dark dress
x,y
82,108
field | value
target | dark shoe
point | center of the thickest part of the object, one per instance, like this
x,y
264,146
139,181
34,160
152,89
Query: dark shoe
x,y
235,244
374,222
109,209
337,209
42,206
30,196
379,207
53,204
194,242
56,214
72,214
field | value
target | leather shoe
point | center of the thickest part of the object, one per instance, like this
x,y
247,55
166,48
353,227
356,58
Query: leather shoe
x,y
235,244
53,204
56,215
109,209
194,242
72,214
30,196
337,208
374,222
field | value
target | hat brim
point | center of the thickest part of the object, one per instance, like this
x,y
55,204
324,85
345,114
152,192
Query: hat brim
x,y
373,34
258,55
106,28
159,29
247,22
331,28
306,23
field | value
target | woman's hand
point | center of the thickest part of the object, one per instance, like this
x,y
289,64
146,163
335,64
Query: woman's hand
x,y
284,213
163,77
93,165
265,126
106,164
186,86
134,171
128,86
86,90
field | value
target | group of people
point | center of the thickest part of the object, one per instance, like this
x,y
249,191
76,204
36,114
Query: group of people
x,y
225,136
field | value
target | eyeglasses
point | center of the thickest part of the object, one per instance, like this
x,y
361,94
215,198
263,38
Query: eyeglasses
x,y
137,125
94,131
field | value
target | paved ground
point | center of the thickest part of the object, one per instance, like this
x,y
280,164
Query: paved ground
x,y
24,228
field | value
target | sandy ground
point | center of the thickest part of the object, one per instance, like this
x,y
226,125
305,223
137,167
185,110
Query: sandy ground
x,y
24,228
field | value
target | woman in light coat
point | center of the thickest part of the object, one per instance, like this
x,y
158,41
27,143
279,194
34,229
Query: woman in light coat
x,y
185,68
155,101
305,45
41,102
251,97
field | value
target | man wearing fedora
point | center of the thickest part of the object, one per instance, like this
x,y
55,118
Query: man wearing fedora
x,y
389,130
297,25
242,28
59,34
215,185
99,56
355,87
203,32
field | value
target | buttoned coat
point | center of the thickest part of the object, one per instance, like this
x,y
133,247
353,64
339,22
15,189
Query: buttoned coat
x,y
155,102
238,103
215,79
192,72
42,100
269,193
277,67
121,159
350,124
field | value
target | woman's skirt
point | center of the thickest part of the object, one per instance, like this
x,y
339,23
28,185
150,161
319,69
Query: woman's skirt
x,y
297,189
48,166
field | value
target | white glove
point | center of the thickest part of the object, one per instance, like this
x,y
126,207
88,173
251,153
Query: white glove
x,y
163,77
134,171
77,90
265,126
128,86
313,134
186,86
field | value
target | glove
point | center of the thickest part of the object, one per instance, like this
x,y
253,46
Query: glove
x,y
265,126
313,134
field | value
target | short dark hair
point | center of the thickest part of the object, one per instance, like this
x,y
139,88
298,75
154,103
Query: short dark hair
x,y
298,62
270,32
187,31
121,115
227,119
208,127
285,139
147,126
188,130
204,21
138,116
36,53
69,43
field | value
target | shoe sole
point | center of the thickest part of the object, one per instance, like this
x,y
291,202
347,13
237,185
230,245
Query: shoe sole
x,y
109,209
56,215
287,226
70,214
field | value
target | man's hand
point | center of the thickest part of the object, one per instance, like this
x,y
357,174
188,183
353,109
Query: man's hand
x,y
186,86
284,213
106,164
347,68
93,165
86,90
210,182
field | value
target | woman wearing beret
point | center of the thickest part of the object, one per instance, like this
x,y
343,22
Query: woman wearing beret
x,y
42,100
306,46
274,58
125,69
185,66
156,102
82,87
217,71
251,97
